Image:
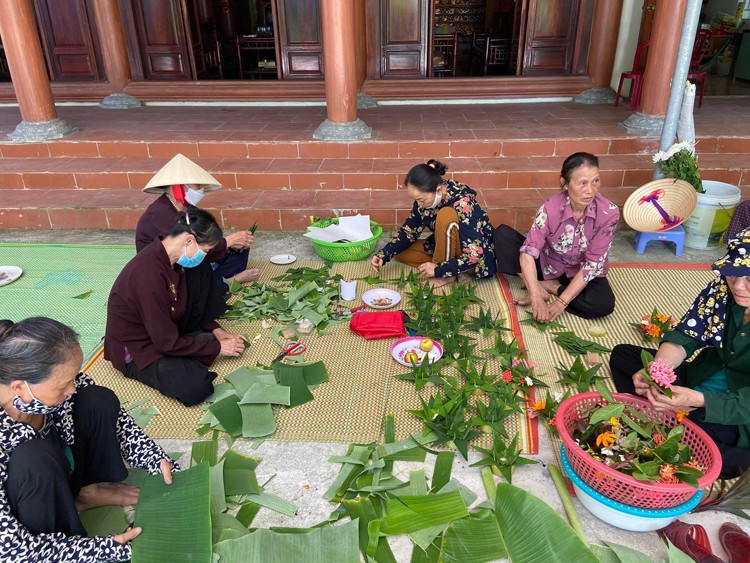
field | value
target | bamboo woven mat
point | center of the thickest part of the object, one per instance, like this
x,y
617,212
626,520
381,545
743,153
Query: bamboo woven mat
x,y
351,406
638,289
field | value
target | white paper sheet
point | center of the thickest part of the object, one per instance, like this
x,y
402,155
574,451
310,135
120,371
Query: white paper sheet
x,y
350,229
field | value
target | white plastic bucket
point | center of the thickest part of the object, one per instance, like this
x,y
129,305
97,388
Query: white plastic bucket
x,y
706,226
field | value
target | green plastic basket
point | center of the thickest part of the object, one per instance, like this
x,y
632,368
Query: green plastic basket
x,y
346,251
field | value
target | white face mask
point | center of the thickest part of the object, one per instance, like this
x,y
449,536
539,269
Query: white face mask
x,y
438,199
193,197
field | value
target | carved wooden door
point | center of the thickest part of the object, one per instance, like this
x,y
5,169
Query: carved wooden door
x,y
550,36
404,36
68,40
300,38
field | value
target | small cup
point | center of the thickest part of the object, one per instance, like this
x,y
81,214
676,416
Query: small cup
x,y
348,290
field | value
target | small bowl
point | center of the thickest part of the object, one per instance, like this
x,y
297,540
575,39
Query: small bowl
x,y
621,515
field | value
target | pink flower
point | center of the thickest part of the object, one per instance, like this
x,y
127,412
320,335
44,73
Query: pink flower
x,y
662,373
507,376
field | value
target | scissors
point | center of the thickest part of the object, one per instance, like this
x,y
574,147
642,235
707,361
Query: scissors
x,y
291,349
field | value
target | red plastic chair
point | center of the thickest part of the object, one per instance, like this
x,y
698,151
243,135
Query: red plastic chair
x,y
700,46
636,75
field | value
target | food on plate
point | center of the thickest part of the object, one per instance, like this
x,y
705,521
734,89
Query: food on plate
x,y
426,344
382,301
412,357
3,275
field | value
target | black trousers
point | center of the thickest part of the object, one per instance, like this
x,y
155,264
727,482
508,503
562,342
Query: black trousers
x,y
184,379
625,360
205,298
595,300
41,489
235,262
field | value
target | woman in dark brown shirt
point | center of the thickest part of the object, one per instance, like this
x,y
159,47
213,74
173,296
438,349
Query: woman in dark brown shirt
x,y
144,338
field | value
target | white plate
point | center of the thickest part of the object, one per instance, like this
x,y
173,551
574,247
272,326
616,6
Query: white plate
x,y
282,259
370,298
9,274
403,345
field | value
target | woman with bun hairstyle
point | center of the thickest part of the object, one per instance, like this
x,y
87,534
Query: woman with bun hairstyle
x,y
145,337
63,440
564,258
461,239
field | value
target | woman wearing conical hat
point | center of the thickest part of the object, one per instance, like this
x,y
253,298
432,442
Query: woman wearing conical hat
x,y
181,183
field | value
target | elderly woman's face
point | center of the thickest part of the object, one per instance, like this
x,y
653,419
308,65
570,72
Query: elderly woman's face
x,y
60,385
740,288
423,199
583,185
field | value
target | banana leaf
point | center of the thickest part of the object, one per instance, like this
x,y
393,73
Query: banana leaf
x,y
272,502
412,513
228,413
266,393
441,475
364,510
293,377
143,417
184,509
236,460
104,520
247,513
320,545
225,527
314,373
614,553
257,420
239,474
473,540
244,378
218,494
205,450
347,473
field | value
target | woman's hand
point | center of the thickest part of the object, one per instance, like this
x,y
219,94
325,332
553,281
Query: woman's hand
x,y
556,308
540,309
240,240
165,466
427,269
641,385
376,262
683,398
127,535
231,344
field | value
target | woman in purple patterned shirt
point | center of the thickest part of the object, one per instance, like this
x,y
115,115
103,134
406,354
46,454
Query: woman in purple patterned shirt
x,y
563,259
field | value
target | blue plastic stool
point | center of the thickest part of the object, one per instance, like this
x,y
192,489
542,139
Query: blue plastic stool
x,y
675,235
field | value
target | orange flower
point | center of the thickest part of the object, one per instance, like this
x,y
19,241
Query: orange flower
x,y
605,439
662,318
539,405
695,465
614,421
680,415
657,438
652,330
666,472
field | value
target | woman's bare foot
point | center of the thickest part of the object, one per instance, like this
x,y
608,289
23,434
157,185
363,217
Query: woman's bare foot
x,y
523,301
251,274
550,286
106,494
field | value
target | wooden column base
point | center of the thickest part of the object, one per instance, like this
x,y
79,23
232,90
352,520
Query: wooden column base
x,y
40,131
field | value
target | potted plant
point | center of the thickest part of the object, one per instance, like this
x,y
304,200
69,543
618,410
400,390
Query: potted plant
x,y
716,200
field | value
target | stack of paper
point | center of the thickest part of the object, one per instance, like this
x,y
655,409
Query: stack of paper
x,y
350,229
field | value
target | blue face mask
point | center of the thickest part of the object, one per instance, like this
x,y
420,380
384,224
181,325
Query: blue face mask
x,y
191,261
35,406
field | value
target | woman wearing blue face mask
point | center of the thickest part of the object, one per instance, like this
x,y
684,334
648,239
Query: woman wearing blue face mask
x,y
145,337
62,444
461,239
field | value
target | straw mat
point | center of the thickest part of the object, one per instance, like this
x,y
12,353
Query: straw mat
x,y
53,274
638,289
351,406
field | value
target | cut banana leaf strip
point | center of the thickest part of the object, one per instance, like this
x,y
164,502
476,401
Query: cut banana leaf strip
x,y
143,417
218,494
272,502
226,527
104,521
424,538
364,511
467,494
221,390
348,473
184,508
293,377
205,450
247,513
297,294
410,449
409,514
432,555
243,378
239,480
441,475
227,412
321,545
417,485
621,554
518,511
236,460
315,373
257,420
474,539
266,393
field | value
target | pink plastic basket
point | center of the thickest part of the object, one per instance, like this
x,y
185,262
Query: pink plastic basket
x,y
624,488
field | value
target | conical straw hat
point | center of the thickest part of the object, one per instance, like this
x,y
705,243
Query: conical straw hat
x,y
181,170
676,197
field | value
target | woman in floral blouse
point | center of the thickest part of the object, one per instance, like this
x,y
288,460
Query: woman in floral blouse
x,y
564,255
461,239
62,444
716,382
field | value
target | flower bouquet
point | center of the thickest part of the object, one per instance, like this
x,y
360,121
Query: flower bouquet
x,y
653,326
624,439
679,161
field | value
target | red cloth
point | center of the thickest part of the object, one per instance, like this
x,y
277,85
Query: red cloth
x,y
383,324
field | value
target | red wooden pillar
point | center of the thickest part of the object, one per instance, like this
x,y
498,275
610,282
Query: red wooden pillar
x,y
115,54
605,29
340,67
29,75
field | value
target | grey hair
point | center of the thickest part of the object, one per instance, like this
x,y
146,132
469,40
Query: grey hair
x,y
32,348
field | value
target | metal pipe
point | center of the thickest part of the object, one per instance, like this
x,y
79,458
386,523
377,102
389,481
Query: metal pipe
x,y
681,68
